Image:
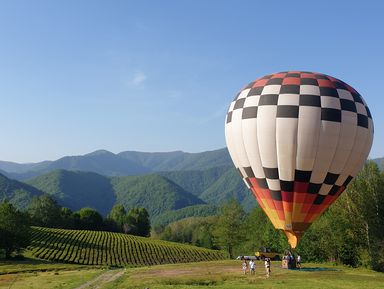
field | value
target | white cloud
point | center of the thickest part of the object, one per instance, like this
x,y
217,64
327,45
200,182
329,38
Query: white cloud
x,y
138,78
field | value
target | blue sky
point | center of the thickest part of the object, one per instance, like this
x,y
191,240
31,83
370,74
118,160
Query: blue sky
x,y
77,76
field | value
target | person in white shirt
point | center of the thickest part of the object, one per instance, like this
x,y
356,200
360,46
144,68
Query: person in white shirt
x,y
252,267
298,262
267,264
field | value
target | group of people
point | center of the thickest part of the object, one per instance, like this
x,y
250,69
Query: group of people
x,y
252,266
291,261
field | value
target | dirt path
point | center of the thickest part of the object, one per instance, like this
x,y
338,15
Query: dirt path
x,y
101,280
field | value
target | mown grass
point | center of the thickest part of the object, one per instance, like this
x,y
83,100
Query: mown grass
x,y
216,274
227,274
48,280
30,265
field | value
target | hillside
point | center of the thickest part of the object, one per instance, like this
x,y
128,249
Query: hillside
x,y
196,181
163,193
113,249
76,190
154,192
229,185
17,193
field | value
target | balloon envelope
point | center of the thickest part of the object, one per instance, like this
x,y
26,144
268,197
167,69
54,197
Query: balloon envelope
x,y
297,139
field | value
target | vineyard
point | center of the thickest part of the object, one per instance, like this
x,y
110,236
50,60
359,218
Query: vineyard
x,y
112,249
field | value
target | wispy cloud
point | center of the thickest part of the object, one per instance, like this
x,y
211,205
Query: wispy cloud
x,y
138,78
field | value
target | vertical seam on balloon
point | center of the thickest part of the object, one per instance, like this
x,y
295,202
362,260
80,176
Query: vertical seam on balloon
x,y
294,170
278,169
277,165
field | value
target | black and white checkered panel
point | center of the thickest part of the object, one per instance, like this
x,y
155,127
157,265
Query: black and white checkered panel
x,y
266,134
308,132
287,118
249,126
328,140
234,135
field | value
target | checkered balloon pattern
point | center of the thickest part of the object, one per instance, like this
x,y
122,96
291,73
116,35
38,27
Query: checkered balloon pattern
x,y
298,138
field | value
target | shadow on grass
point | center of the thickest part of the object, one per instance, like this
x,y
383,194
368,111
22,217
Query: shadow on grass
x,y
314,269
24,260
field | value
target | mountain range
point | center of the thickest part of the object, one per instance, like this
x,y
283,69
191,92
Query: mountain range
x,y
170,185
122,164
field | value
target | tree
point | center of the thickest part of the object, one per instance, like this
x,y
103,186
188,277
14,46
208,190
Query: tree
x,y
137,222
192,230
44,211
116,218
90,219
66,218
14,229
261,233
229,231
367,194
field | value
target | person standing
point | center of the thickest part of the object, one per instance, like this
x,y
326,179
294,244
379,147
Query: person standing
x,y
298,263
245,266
267,264
252,267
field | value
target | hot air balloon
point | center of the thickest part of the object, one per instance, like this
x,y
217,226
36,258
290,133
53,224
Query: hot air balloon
x,y
298,138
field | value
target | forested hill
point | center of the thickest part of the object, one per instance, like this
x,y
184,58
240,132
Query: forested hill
x,y
154,192
123,164
17,193
76,190
160,193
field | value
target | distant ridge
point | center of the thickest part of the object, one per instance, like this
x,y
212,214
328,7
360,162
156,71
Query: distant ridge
x,y
122,164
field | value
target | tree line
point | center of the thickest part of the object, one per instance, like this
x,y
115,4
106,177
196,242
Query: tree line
x,y
350,232
45,212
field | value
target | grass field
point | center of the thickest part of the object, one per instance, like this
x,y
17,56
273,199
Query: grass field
x,y
216,274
